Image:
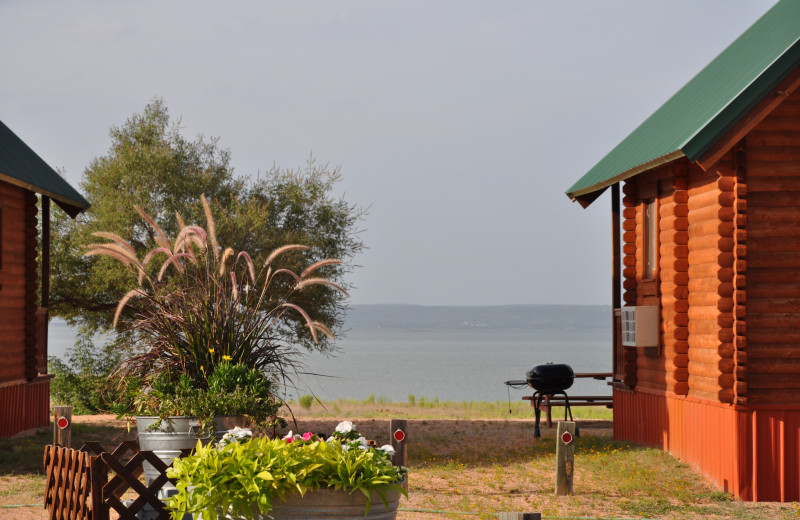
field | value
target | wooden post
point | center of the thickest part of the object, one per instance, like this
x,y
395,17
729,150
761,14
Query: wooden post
x,y
397,432
45,251
62,426
99,478
565,457
520,516
616,276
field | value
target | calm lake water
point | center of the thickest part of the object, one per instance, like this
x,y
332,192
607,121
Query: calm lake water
x,y
450,364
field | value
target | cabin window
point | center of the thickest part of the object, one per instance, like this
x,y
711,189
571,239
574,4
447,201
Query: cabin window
x,y
650,235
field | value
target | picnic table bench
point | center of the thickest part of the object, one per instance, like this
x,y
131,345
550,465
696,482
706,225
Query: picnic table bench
x,y
575,400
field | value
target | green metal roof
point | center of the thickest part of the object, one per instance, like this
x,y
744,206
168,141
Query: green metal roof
x,y
692,120
21,166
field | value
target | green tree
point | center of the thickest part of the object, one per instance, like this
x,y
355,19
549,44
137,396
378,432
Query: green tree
x,y
81,377
152,165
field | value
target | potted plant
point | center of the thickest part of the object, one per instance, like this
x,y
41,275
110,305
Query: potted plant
x,y
299,476
206,321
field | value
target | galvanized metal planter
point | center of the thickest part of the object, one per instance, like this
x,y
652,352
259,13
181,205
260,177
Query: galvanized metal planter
x,y
177,433
173,435
326,504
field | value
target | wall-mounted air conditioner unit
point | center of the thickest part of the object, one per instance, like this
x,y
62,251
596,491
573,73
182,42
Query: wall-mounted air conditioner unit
x,y
640,326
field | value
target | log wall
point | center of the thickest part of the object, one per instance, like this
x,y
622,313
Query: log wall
x,y
629,274
13,292
770,345
710,259
674,278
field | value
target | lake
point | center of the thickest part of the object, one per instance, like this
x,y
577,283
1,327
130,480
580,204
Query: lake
x,y
451,364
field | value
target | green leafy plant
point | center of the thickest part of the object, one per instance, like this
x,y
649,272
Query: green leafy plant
x,y
200,313
247,477
231,390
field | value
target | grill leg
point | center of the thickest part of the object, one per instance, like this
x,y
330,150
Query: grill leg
x,y
568,409
537,402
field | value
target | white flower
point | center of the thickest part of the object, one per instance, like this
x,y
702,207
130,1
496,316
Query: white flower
x,y
345,427
240,433
235,435
387,448
289,436
362,441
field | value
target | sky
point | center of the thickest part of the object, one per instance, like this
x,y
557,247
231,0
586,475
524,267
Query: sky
x,y
460,124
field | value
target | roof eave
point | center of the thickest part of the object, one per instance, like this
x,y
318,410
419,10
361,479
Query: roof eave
x,y
70,206
586,196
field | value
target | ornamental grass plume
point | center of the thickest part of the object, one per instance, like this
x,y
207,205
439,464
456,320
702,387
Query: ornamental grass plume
x,y
197,304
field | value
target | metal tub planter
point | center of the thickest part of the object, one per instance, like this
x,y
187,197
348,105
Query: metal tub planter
x,y
328,504
166,442
345,477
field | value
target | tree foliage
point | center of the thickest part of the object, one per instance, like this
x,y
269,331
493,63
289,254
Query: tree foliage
x,y
152,165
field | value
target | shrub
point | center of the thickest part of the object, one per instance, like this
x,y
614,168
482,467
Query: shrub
x,y
306,401
80,381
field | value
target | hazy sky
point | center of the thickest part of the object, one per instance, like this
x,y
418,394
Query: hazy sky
x,y
460,123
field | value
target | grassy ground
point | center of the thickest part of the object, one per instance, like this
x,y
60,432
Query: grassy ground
x,y
467,460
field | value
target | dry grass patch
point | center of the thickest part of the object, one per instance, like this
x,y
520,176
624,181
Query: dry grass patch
x,y
477,465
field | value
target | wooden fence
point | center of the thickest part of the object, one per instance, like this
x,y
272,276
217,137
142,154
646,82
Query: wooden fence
x,y
86,484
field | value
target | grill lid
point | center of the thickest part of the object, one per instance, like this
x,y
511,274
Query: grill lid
x,y
551,377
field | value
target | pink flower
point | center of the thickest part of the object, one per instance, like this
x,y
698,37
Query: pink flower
x,y
307,436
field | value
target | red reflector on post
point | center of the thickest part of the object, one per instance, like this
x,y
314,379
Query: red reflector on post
x,y
399,435
63,422
566,437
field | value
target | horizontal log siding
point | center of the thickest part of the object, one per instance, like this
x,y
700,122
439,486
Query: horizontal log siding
x,y
629,284
751,452
738,303
710,283
13,283
31,283
654,368
770,342
674,266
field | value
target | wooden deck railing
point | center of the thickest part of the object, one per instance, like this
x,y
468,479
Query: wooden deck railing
x,y
41,339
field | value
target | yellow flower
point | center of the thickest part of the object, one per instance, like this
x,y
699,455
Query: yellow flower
x,y
211,350
226,358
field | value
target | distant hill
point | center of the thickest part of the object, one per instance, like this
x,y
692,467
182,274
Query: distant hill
x,y
540,317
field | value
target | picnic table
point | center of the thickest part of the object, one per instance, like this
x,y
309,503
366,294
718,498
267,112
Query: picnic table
x,y
576,400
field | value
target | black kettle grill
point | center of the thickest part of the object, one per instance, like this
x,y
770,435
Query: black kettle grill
x,y
550,379
547,380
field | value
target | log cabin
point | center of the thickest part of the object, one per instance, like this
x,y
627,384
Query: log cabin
x,y
706,267
27,184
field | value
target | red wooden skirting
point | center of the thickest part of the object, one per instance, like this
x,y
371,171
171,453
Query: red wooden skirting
x,y
24,405
752,452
